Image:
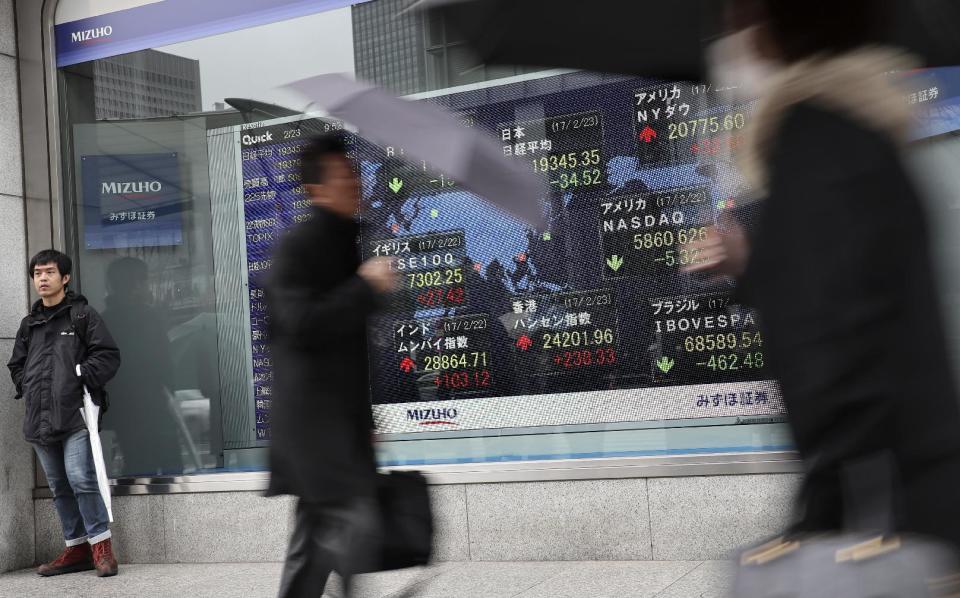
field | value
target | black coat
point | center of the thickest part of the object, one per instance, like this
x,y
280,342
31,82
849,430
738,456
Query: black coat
x,y
322,427
43,367
841,272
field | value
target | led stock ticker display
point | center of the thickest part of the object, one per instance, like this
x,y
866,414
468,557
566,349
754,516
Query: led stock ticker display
x,y
491,314
591,319
567,149
676,123
431,268
273,200
706,335
563,332
651,234
451,354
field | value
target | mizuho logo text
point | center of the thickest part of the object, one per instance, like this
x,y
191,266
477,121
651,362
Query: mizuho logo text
x,y
254,139
433,417
131,188
89,35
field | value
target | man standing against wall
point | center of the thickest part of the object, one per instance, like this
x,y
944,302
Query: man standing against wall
x,y
61,332
322,449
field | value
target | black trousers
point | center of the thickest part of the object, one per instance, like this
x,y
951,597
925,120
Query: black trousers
x,y
330,537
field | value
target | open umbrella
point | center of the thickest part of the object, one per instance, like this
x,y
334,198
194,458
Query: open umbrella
x,y
427,132
654,38
90,413
663,39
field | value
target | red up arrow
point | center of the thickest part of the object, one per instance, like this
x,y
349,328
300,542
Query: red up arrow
x,y
648,134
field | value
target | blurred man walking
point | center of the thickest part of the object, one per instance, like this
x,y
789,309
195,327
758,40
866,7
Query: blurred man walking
x,y
322,451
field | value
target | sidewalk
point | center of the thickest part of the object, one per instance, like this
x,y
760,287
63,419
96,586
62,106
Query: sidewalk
x,y
670,579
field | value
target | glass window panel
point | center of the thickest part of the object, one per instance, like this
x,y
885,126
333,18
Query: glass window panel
x,y
575,341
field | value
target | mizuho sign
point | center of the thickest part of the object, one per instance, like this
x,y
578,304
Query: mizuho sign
x,y
91,34
116,188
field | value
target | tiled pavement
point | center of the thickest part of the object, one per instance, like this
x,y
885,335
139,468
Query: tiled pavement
x,y
643,579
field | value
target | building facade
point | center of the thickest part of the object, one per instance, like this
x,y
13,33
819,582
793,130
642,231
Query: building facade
x,y
548,384
403,66
145,85
17,547
410,53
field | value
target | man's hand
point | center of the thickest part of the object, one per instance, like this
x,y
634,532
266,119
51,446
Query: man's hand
x,y
724,252
378,272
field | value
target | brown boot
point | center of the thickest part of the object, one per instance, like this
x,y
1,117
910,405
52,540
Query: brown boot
x,y
103,559
71,560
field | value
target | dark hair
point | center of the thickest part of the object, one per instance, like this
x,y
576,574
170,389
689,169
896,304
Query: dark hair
x,y
802,30
311,165
51,256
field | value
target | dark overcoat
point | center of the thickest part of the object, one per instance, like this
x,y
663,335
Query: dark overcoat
x,y
321,447
841,273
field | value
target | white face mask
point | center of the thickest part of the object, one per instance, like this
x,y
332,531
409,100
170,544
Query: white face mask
x,y
736,68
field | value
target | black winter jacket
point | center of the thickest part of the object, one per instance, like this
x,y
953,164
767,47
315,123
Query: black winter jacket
x,y
43,367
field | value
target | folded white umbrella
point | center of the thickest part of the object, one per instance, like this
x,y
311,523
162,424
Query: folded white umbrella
x,y
91,416
428,132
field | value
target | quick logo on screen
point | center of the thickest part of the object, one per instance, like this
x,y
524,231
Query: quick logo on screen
x,y
433,417
133,189
255,139
91,36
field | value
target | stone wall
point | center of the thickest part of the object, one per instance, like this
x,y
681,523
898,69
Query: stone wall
x,y
666,519
16,458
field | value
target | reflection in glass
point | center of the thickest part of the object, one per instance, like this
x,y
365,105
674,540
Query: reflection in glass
x,y
143,410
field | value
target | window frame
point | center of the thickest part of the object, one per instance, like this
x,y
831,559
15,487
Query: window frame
x,y
46,223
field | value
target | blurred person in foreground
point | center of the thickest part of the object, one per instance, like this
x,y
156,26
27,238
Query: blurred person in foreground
x,y
60,333
840,269
319,300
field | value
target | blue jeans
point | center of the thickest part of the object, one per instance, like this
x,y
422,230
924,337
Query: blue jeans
x,y
76,495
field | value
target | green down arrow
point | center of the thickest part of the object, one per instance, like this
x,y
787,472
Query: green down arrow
x,y
615,262
665,364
